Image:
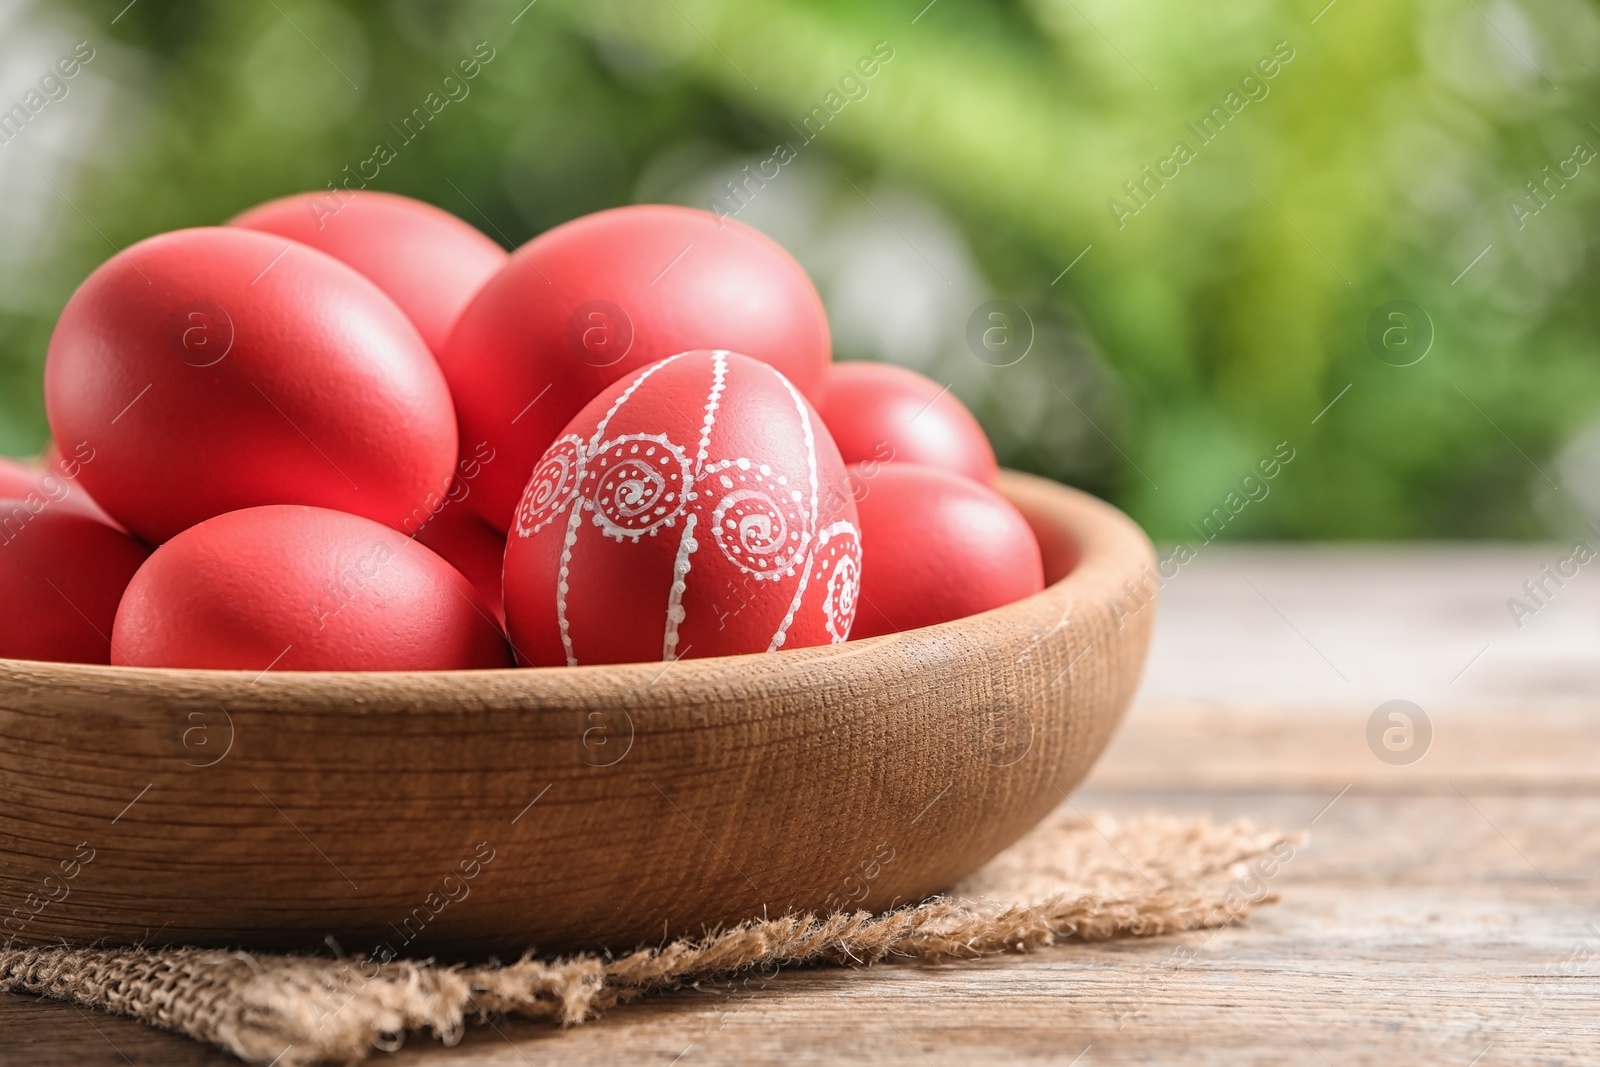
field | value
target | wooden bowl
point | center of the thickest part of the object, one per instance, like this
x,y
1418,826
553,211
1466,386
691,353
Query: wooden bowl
x,y
478,812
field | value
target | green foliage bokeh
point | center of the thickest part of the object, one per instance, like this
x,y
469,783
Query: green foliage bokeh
x,y
1220,318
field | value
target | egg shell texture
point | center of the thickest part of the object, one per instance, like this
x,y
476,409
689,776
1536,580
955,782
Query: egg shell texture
x,y
427,260
597,299
217,369
698,508
881,412
471,546
288,587
937,546
62,574
53,482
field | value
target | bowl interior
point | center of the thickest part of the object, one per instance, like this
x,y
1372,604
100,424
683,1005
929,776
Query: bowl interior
x,y
482,812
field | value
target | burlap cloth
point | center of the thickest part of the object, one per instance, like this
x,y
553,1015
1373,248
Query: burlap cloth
x,y
1072,878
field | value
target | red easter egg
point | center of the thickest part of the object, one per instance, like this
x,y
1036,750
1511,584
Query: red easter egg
x,y
601,297
472,547
217,369
878,412
295,588
695,508
937,546
53,483
62,573
428,261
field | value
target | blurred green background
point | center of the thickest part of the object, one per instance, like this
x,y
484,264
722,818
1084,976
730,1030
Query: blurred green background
x,y
1386,159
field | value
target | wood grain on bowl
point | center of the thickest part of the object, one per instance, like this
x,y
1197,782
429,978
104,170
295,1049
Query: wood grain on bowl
x,y
468,813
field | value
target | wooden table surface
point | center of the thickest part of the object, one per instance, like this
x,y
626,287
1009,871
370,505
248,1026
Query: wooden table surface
x,y
1446,910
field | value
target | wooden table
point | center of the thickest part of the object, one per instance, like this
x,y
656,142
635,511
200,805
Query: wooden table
x,y
1445,911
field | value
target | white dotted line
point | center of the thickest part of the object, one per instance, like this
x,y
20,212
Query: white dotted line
x,y
680,574
574,523
687,545
806,519
719,374
561,579
627,394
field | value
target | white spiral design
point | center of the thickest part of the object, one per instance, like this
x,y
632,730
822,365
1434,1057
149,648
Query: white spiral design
x,y
759,521
551,488
838,566
637,484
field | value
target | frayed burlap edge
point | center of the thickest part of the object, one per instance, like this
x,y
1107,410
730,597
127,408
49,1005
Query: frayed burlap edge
x,y
1149,876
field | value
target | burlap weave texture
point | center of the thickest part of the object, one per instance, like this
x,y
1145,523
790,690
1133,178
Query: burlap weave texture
x,y
1070,879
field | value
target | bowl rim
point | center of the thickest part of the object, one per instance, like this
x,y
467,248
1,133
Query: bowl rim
x,y
1102,537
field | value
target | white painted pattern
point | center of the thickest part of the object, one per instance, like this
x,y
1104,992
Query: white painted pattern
x,y
838,563
760,523
553,485
808,518
637,484
687,545
563,586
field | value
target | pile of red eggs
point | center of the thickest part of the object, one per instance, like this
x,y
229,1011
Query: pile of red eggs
x,y
352,433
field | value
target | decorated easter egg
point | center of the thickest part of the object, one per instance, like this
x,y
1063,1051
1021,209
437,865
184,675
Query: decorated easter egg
x,y
52,483
288,587
217,369
428,261
694,508
878,412
599,298
62,573
472,547
937,546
